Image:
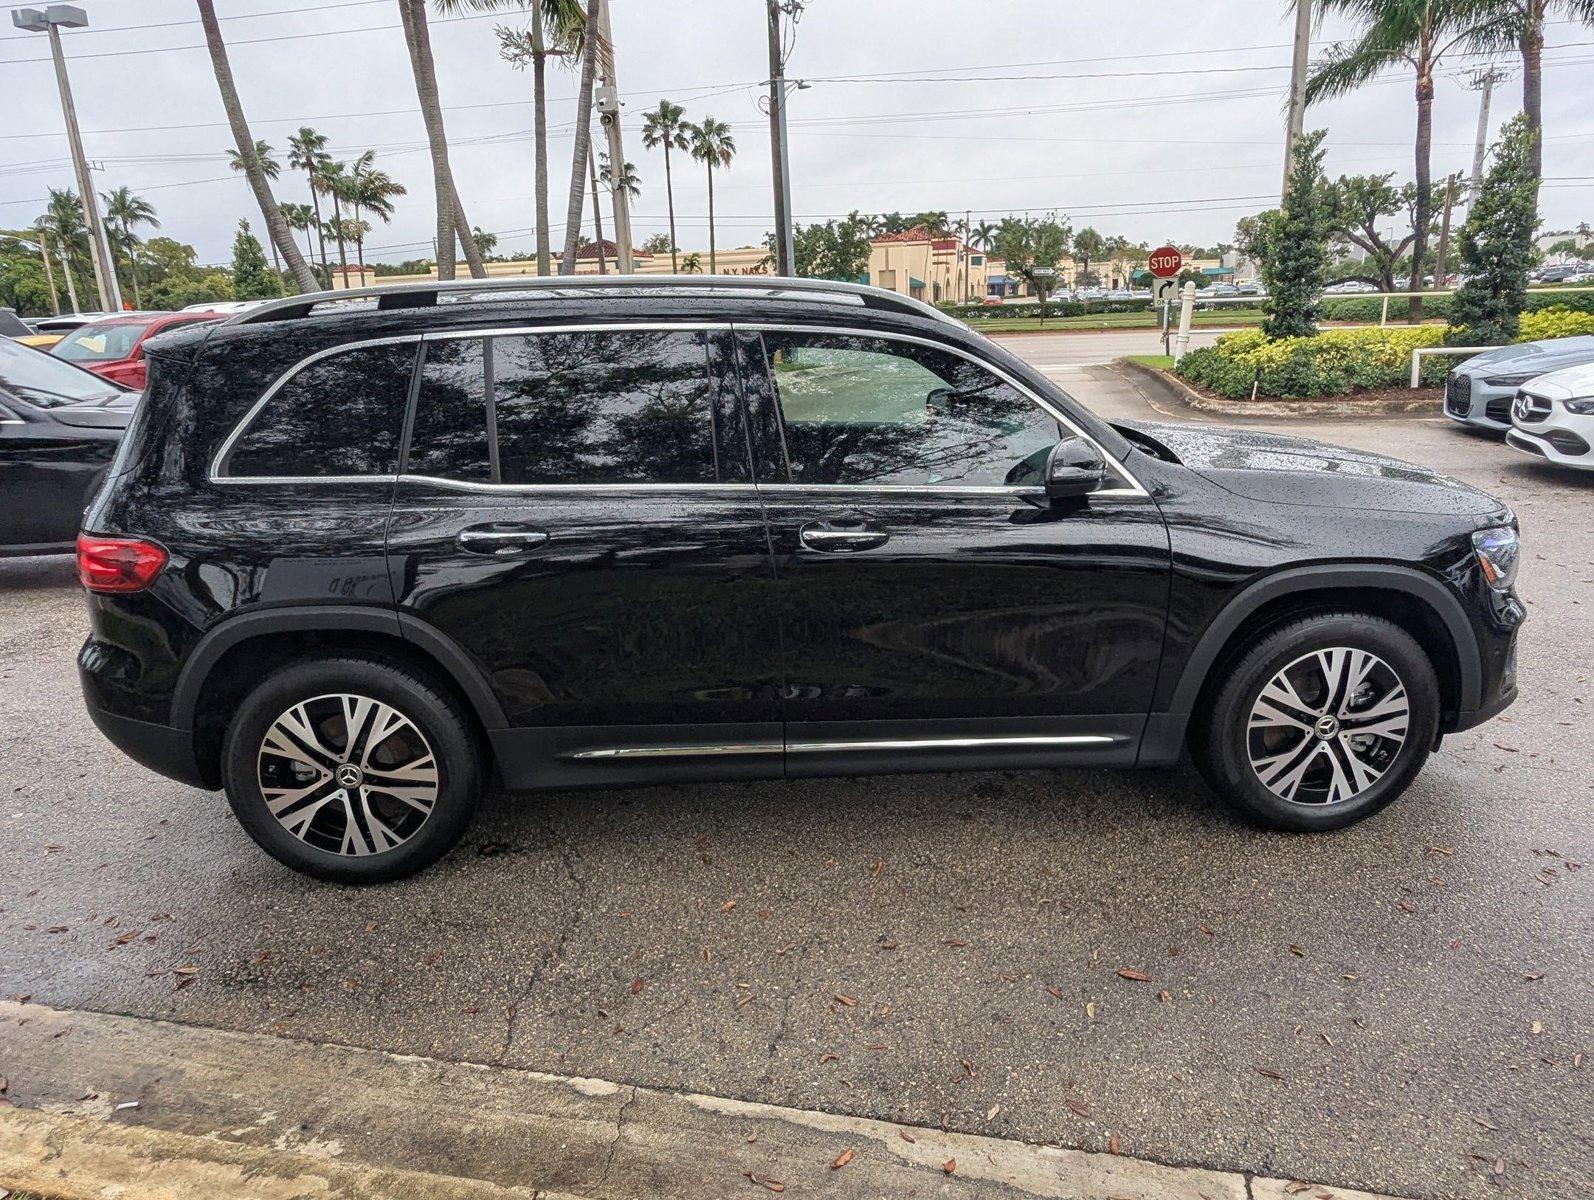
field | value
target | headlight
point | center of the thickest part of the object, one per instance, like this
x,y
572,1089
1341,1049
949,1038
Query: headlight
x,y
1582,408
1498,551
1512,380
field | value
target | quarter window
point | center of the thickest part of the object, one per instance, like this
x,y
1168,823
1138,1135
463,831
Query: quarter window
x,y
339,415
877,411
567,408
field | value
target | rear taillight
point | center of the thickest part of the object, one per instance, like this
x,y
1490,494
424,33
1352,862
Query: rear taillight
x,y
117,564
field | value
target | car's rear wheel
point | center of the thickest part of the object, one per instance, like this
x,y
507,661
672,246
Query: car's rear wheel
x,y
352,769
1324,721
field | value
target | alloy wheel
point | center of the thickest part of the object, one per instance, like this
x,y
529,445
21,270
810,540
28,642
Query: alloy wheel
x,y
347,774
1328,726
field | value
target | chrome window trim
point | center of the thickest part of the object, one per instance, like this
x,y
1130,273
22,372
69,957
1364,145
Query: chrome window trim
x,y
217,460
449,335
500,489
1134,489
945,743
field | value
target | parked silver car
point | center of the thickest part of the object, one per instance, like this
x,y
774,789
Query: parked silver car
x,y
1479,391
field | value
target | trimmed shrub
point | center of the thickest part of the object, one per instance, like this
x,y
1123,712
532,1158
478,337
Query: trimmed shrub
x,y
1335,362
1360,308
1556,322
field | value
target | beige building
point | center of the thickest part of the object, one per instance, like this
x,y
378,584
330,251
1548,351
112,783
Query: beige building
x,y
928,267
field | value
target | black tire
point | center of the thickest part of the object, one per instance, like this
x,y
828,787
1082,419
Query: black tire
x,y
1223,744
439,741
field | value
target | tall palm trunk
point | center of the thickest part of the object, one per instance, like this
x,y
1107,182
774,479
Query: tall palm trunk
x,y
711,264
539,136
132,264
467,243
281,236
320,231
417,38
1423,210
1532,45
49,272
343,250
583,147
597,213
71,285
669,200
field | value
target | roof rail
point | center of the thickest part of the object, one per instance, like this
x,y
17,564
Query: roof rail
x,y
427,294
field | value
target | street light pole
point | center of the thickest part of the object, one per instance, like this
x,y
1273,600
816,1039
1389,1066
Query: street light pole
x,y
1484,82
52,20
1296,120
609,113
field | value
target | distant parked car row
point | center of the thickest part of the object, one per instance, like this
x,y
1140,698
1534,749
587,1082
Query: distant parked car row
x,y
1540,394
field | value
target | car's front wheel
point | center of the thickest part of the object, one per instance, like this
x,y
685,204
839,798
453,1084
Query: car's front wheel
x,y
352,769
1324,721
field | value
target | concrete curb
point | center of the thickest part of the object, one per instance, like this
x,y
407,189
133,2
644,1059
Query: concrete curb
x,y
135,1109
1162,385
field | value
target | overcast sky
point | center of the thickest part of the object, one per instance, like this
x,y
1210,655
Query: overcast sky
x,y
1150,119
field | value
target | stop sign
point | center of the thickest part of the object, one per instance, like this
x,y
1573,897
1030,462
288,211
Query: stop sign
x,y
1165,262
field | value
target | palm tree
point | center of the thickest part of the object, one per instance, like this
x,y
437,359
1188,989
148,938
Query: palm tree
x,y
486,242
265,156
300,217
628,178
373,190
713,146
1519,25
692,264
451,221
532,45
664,127
334,181
589,49
125,210
276,227
63,223
1414,34
353,229
307,150
1088,244
597,216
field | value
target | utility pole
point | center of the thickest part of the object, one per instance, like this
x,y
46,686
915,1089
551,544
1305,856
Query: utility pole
x,y
51,21
49,271
779,154
1296,119
1482,81
607,97
1444,232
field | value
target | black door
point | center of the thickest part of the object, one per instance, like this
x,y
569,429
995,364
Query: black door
x,y
935,609
577,512
47,470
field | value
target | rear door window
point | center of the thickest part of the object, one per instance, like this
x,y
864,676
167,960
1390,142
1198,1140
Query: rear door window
x,y
339,415
595,408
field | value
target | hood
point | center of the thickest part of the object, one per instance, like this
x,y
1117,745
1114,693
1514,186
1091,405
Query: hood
x,y
1531,357
114,413
1570,383
1290,470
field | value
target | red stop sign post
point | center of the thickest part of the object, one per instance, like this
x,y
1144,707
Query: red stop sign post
x,y
1165,262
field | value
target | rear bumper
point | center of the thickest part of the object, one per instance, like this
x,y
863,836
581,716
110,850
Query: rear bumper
x,y
164,750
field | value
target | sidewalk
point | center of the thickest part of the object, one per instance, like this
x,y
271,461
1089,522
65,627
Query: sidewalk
x,y
108,1106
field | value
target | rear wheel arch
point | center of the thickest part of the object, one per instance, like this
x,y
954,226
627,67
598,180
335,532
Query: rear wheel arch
x,y
233,657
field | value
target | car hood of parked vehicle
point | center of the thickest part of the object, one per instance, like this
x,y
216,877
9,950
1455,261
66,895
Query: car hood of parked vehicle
x,y
114,412
1279,469
1570,383
1538,357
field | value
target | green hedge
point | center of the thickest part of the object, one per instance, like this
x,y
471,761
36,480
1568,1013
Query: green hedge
x,y
1366,309
1054,308
1334,363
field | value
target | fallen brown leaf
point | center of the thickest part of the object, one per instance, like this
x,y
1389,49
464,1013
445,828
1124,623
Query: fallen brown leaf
x,y
1131,973
727,906
637,985
906,1136
950,1165
842,1160
846,1001
1268,1073
773,1185
1112,1143
1078,1109
1056,993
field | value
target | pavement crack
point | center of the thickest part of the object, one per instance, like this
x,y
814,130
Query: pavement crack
x,y
568,857
619,1132
782,1027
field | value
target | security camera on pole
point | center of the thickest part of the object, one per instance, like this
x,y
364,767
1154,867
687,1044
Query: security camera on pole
x,y
52,20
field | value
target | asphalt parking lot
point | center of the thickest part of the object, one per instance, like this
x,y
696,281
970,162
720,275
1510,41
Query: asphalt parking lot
x,y
1404,1006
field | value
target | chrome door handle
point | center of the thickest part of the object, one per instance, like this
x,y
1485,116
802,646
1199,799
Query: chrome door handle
x,y
500,542
816,537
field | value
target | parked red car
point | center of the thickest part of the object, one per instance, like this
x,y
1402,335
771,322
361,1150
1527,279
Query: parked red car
x,y
114,346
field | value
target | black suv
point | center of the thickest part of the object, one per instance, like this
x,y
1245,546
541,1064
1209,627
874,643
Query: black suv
x,y
361,552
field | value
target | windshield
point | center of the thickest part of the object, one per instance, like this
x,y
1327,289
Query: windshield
x,y
47,382
103,341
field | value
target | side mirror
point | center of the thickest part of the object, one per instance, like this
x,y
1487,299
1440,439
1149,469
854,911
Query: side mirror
x,y
1073,468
